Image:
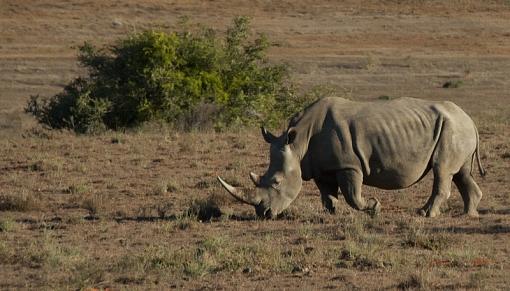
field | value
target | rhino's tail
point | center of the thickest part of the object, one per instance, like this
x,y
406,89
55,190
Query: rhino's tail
x,y
477,153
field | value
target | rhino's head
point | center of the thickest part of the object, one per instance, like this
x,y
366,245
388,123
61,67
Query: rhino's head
x,y
280,185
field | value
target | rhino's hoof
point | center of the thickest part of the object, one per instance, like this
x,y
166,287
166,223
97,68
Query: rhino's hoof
x,y
473,214
330,210
422,212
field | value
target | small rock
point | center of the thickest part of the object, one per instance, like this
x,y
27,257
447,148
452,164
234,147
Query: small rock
x,y
297,269
116,23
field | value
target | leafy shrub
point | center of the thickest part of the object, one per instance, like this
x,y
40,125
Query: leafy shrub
x,y
187,78
452,84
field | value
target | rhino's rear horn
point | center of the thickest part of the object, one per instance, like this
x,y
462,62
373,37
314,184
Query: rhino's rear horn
x,y
239,195
255,178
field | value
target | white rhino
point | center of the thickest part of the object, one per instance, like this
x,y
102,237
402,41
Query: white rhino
x,y
386,144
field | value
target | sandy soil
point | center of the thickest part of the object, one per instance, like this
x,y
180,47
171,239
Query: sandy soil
x,y
106,211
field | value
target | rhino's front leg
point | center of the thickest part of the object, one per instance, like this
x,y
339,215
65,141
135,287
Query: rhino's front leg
x,y
329,193
350,182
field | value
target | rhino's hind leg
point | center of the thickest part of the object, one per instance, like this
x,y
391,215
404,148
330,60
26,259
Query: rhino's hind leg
x,y
329,193
469,190
440,192
350,182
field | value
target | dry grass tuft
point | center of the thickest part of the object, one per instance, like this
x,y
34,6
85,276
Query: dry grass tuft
x,y
453,84
164,187
416,281
7,225
417,236
77,188
172,186
46,165
7,253
184,222
47,251
92,203
204,209
363,256
22,202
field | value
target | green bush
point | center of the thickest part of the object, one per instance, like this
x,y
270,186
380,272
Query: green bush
x,y
188,78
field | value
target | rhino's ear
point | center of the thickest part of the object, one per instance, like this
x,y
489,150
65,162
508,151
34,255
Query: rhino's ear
x,y
291,135
268,137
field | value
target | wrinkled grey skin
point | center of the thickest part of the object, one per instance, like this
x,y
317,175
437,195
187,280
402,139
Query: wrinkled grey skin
x,y
342,144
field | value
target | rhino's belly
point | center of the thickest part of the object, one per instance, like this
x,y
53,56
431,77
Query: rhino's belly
x,y
396,178
398,163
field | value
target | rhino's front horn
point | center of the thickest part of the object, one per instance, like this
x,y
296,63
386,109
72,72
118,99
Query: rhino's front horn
x,y
255,178
239,195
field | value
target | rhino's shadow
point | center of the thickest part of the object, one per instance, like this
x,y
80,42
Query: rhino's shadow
x,y
492,229
175,217
242,217
145,218
495,211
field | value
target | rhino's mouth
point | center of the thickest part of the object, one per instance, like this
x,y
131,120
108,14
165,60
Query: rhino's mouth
x,y
265,213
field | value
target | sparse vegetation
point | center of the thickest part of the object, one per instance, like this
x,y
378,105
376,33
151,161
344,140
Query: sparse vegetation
x,y
20,202
77,188
453,84
465,257
200,232
7,225
159,189
385,97
416,281
46,164
417,236
363,256
184,222
373,63
211,255
204,210
48,252
86,273
92,204
163,209
172,186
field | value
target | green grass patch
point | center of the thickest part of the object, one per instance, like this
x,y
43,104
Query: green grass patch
x,y
7,225
453,84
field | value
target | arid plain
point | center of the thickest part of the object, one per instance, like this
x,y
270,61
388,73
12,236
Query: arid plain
x,y
130,210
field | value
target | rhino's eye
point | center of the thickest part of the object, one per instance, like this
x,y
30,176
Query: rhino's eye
x,y
275,183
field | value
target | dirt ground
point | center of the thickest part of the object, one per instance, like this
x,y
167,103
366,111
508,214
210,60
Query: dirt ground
x,y
131,210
